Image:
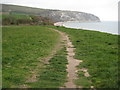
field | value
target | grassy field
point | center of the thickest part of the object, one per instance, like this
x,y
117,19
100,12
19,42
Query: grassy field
x,y
54,74
22,46
99,52
25,46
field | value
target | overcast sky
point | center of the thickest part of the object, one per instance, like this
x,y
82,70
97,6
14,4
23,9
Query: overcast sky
x,y
104,9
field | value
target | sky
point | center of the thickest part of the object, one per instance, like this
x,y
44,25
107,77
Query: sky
x,y
106,10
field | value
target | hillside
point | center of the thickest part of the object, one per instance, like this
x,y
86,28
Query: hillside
x,y
55,15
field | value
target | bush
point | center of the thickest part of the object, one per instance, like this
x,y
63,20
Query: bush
x,y
14,19
9,21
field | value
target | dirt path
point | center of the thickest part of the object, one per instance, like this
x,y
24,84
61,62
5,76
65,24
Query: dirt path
x,y
72,63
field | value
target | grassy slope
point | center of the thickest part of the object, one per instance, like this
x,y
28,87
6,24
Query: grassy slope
x,y
22,46
99,52
17,16
22,9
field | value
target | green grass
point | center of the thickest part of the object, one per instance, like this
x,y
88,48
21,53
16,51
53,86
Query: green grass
x,y
99,52
22,46
16,16
54,74
25,46
83,81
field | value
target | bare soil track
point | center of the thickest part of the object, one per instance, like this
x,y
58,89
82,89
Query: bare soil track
x,y
72,62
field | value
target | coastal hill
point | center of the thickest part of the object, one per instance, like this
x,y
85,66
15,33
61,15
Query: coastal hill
x,y
55,15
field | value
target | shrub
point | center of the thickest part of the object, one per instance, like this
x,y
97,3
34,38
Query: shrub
x,y
14,19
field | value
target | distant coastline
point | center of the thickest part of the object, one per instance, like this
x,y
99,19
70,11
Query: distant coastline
x,y
62,23
103,26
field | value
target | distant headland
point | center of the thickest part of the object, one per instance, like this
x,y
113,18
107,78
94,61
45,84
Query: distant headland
x,y
55,15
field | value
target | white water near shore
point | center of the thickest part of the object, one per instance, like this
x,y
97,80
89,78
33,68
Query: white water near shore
x,y
105,26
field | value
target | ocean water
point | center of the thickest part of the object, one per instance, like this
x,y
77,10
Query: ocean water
x,y
105,26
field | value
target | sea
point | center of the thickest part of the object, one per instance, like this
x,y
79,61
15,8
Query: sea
x,y
103,26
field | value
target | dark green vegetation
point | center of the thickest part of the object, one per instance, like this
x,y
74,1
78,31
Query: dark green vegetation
x,y
23,49
18,19
99,52
54,74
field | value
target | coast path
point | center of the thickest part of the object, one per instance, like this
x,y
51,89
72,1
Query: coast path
x,y
72,62
71,66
